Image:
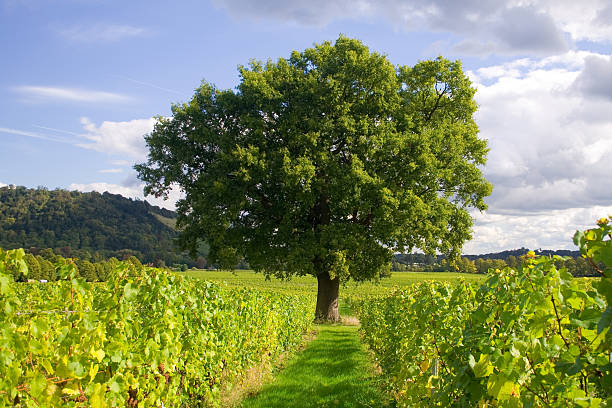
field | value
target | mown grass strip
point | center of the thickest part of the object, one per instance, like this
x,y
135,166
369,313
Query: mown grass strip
x,y
333,371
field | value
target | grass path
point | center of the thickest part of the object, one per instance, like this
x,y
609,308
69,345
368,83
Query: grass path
x,y
333,371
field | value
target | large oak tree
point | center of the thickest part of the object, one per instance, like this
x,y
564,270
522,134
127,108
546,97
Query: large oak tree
x,y
324,164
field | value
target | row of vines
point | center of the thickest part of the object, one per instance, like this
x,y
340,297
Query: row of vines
x,y
532,337
145,337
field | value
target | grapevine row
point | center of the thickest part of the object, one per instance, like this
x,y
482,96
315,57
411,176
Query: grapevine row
x,y
146,337
533,337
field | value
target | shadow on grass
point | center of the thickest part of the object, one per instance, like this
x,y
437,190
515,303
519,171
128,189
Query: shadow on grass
x,y
333,371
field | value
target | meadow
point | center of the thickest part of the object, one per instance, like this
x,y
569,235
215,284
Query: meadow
x,y
308,284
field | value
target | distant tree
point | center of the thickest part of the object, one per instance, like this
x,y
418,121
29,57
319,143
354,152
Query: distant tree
x,y
480,266
499,264
87,270
324,163
82,254
97,257
465,265
570,265
100,272
201,263
134,261
513,262
48,254
47,269
66,250
34,271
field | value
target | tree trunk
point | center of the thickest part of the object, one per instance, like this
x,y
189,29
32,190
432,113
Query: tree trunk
x,y
327,298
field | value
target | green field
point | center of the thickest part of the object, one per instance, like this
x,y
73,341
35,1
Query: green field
x,y
308,284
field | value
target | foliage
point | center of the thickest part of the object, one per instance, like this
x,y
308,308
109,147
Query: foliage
x,y
324,162
40,268
87,225
534,336
145,337
34,269
87,270
47,270
574,262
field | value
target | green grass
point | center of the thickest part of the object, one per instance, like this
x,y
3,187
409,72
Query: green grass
x,y
333,371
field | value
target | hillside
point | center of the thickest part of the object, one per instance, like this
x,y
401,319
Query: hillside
x,y
522,251
417,258
87,225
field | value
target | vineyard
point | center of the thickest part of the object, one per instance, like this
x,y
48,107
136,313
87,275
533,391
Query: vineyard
x,y
146,337
533,337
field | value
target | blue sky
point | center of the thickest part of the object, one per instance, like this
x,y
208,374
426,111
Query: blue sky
x,y
80,81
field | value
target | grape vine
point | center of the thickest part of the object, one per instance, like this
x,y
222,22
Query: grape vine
x,y
534,336
146,337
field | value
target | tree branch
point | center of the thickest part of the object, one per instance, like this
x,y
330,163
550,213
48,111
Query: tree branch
x,y
437,104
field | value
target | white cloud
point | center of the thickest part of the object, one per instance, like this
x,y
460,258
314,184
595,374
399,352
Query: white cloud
x,y
596,78
118,137
527,27
584,20
50,93
111,171
509,30
102,32
111,188
550,140
553,230
3,185
549,144
133,191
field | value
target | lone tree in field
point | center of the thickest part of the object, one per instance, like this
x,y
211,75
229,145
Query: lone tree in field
x,y
324,164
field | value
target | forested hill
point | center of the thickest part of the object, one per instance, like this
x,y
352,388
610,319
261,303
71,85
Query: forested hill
x,y
87,225
417,258
522,251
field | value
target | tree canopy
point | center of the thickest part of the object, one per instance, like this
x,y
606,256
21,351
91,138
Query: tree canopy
x,y
86,225
324,163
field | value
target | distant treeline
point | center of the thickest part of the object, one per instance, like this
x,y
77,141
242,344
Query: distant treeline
x,y
575,263
43,266
95,227
90,226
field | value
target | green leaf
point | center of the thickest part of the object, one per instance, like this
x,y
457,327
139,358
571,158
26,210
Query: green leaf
x,y
22,267
77,369
39,327
579,240
38,384
604,287
605,321
574,368
130,291
98,354
484,367
97,398
471,361
587,319
499,386
5,282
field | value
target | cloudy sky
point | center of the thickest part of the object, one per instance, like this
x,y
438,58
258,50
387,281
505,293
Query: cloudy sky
x,y
80,81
